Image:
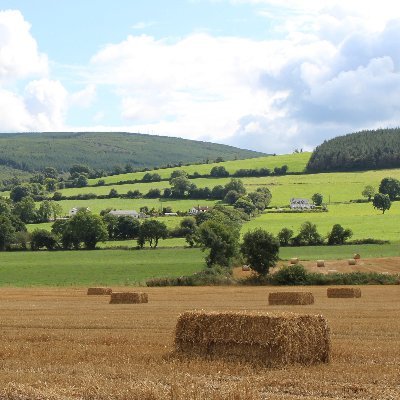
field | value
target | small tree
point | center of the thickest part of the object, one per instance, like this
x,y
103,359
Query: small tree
x,y
381,202
7,232
127,227
368,192
113,193
317,199
284,236
391,187
152,231
308,235
339,235
260,249
42,238
245,205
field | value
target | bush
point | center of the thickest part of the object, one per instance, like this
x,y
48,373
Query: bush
x,y
290,275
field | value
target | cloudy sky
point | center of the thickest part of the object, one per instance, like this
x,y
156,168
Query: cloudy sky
x,y
268,75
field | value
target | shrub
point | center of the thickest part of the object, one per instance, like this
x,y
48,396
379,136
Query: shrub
x,y
290,275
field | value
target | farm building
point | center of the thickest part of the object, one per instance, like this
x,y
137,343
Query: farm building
x,y
301,204
126,213
198,209
74,210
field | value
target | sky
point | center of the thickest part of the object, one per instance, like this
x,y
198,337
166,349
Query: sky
x,y
266,75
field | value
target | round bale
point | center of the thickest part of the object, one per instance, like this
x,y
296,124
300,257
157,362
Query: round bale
x,y
352,261
356,256
320,263
294,260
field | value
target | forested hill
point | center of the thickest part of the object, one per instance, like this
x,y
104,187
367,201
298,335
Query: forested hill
x,y
375,149
104,151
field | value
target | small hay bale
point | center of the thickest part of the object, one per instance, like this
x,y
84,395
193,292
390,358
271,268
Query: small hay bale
x,y
99,291
290,298
245,268
356,256
273,339
332,271
294,260
352,261
343,292
320,263
129,298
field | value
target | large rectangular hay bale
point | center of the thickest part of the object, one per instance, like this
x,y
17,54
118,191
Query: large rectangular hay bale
x,y
273,339
290,298
343,292
128,298
99,291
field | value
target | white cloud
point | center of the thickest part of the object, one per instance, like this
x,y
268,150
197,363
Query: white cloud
x,y
83,98
19,56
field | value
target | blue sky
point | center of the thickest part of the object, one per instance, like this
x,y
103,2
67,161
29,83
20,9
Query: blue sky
x,y
266,75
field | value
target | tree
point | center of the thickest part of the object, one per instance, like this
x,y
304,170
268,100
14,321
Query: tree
x,y
50,172
152,231
127,227
381,202
317,199
153,193
19,192
260,198
219,172
41,238
113,193
45,211
284,236
218,192
339,235
232,197
25,210
180,185
7,232
391,187
260,250
221,241
81,181
111,222
188,230
308,235
178,173
368,192
78,169
237,185
50,184
84,227
245,205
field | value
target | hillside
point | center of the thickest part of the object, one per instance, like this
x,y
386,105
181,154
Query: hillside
x,y
104,151
359,151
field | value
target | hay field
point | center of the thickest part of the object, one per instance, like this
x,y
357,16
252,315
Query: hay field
x,y
63,344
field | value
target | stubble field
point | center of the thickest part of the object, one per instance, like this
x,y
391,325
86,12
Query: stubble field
x,y
63,344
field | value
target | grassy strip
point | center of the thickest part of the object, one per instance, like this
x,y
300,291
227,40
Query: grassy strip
x,y
103,267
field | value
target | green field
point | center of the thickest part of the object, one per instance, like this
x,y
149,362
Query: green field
x,y
295,162
362,219
102,267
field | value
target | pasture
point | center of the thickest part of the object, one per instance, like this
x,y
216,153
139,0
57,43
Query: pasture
x,y
63,344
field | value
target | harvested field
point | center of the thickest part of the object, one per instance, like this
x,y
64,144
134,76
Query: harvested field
x,y
62,344
271,339
98,291
290,298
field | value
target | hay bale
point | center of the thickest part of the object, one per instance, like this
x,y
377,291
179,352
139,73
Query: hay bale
x,y
245,268
320,263
294,260
99,291
273,339
352,261
356,256
343,292
332,271
290,298
128,298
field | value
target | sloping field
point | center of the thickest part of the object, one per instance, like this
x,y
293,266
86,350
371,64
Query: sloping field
x,y
63,344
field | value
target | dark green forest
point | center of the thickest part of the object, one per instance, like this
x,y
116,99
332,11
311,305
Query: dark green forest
x,y
359,151
104,151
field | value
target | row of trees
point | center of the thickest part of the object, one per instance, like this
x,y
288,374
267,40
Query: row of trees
x,y
389,190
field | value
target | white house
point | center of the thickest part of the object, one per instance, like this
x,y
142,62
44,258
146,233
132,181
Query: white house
x,y
301,204
198,209
74,210
125,213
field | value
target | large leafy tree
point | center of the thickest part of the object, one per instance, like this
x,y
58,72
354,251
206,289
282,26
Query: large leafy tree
x,y
381,202
152,231
391,187
221,241
260,250
127,227
339,235
308,235
7,232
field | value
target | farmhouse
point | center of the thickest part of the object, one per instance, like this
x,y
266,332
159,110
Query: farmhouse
x,y
301,204
74,210
198,209
126,213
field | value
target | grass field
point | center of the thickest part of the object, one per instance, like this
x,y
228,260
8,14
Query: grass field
x,y
63,344
111,267
295,163
128,267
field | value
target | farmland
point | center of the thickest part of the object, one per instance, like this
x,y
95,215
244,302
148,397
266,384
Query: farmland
x,y
62,344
